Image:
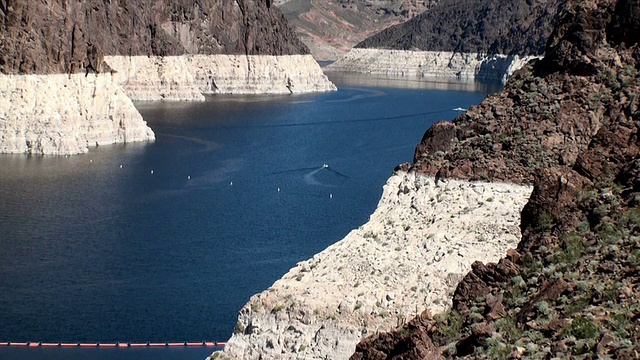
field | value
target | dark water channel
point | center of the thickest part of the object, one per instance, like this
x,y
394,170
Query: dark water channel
x,y
166,241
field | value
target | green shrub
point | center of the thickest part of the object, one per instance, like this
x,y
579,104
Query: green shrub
x,y
581,328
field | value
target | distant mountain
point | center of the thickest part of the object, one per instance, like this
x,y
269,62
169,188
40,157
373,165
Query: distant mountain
x,y
473,26
331,28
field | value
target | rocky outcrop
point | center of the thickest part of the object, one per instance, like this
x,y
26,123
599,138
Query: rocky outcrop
x,y
569,122
454,39
189,77
423,235
430,64
65,114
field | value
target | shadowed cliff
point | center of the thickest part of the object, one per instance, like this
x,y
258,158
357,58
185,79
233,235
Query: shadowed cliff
x,y
469,26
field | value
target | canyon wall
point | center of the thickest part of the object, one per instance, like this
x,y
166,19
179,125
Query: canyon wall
x,y
62,114
424,234
63,62
432,65
454,39
188,77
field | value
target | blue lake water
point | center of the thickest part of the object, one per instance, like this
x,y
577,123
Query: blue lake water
x,y
166,241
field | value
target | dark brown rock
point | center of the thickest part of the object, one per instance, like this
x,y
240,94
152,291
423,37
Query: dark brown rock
x,y
408,342
480,281
570,125
467,345
551,291
496,308
62,36
486,26
439,137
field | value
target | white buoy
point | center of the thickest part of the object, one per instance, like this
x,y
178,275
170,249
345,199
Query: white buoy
x,y
90,160
231,183
152,171
189,177
278,189
330,196
120,166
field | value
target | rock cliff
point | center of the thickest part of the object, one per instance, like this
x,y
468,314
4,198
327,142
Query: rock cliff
x,y
65,114
190,77
435,65
62,36
569,123
162,50
424,234
485,39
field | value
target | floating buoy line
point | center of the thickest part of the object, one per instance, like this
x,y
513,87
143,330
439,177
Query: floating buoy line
x,y
33,344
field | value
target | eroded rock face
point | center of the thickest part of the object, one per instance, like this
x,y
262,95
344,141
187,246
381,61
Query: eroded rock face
x,y
435,65
571,274
423,235
190,77
66,114
453,39
62,36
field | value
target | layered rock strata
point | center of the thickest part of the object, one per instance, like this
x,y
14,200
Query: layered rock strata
x,y
189,77
66,114
430,64
423,235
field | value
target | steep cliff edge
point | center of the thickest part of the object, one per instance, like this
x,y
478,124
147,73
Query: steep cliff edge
x,y
569,123
163,50
458,39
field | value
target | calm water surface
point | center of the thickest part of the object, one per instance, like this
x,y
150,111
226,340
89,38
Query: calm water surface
x,y
166,241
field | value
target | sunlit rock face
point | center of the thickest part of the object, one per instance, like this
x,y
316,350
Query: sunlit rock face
x,y
421,239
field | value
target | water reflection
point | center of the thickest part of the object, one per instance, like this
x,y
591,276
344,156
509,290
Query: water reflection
x,y
342,79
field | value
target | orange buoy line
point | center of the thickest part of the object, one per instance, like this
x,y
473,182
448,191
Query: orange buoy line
x,y
113,345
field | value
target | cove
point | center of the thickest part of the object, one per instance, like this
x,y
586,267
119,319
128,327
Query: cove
x,y
166,241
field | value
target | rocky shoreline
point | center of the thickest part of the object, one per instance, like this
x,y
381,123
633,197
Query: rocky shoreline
x,y
190,77
62,114
69,71
434,65
422,238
